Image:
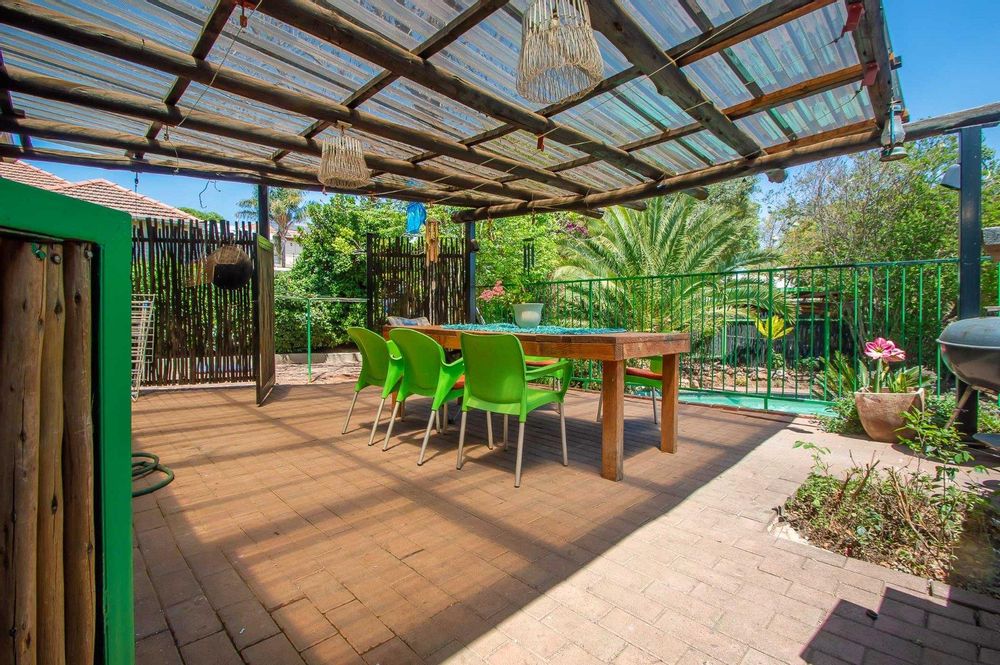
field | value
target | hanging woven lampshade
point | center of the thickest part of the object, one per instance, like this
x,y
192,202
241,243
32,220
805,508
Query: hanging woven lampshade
x,y
560,58
343,163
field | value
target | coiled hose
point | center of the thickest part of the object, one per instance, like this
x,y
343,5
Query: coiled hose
x,y
146,464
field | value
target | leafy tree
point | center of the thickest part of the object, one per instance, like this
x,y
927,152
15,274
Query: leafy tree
x,y
502,241
857,209
285,211
207,215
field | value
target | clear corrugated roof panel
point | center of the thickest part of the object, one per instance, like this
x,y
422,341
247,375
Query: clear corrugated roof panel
x,y
421,108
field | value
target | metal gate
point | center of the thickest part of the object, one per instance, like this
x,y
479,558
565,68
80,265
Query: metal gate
x,y
264,317
401,282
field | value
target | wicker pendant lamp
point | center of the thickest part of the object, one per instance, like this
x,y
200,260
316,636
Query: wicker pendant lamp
x,y
342,163
560,58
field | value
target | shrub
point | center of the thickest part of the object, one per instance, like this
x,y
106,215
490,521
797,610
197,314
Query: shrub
x,y
845,419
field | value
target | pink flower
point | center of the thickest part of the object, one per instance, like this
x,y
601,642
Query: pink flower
x,y
884,349
495,291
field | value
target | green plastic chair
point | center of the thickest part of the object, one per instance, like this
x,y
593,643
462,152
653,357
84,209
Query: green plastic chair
x,y
497,381
425,373
647,378
381,366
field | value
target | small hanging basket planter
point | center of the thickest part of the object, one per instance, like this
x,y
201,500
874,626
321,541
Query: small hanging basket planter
x,y
230,268
343,163
560,58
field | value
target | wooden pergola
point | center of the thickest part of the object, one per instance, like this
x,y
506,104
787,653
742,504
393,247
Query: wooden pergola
x,y
696,92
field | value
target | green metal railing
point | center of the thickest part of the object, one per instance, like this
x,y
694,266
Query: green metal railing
x,y
309,302
823,311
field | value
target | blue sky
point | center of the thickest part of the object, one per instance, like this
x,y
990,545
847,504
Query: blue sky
x,y
949,63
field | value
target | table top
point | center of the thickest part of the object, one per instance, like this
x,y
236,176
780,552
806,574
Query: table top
x,y
597,346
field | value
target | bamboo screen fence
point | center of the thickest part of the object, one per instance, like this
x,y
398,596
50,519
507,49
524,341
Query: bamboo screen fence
x,y
402,282
202,334
48,599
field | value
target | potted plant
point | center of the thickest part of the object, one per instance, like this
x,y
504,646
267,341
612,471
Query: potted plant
x,y
526,314
885,395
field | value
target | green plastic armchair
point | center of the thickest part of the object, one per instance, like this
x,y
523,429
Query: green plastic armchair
x,y
381,366
426,374
651,378
497,381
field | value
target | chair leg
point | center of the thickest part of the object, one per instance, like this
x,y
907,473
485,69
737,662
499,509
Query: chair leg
x,y
520,455
392,420
378,417
427,436
349,412
562,429
600,405
489,429
656,412
444,417
505,419
461,441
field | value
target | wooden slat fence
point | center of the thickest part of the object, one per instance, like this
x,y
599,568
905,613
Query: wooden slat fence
x,y
202,334
402,283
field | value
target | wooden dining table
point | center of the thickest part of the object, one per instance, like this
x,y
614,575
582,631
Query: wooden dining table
x,y
612,350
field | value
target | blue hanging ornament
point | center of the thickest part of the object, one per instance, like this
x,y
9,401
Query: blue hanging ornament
x,y
416,215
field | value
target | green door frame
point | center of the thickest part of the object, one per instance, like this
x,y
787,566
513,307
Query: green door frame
x,y
35,211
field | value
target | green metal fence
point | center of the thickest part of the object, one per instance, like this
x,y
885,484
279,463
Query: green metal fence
x,y
770,334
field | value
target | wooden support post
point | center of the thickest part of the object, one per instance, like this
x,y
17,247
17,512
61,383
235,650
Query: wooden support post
x,y
970,252
613,423
78,457
668,405
51,601
263,213
22,301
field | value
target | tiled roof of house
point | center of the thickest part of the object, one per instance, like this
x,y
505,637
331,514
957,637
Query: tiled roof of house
x,y
99,191
27,174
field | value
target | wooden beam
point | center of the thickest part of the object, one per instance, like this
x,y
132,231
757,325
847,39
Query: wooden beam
x,y
870,43
770,100
803,151
739,29
436,43
7,104
214,25
139,107
264,167
331,26
29,16
635,44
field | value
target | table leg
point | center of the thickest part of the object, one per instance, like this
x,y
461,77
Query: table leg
x,y
668,413
613,436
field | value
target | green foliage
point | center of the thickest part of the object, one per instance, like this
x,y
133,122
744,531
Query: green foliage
x,y
501,246
940,408
207,215
845,419
839,378
857,209
891,517
938,443
285,212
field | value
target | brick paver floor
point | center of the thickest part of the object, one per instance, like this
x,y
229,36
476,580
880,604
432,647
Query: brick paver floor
x,y
284,542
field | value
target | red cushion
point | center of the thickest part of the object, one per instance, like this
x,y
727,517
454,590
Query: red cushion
x,y
540,363
644,373
460,384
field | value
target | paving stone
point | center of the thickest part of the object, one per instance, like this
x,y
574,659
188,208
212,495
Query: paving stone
x,y
192,620
157,649
332,650
592,638
247,623
359,626
225,588
276,650
215,649
303,624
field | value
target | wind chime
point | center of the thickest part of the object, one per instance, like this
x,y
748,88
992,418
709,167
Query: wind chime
x,y
342,164
560,58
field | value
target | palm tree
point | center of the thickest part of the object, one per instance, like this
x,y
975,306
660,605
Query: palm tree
x,y
285,210
694,252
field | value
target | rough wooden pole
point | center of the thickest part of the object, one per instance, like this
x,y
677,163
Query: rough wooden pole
x,y
78,458
22,292
51,617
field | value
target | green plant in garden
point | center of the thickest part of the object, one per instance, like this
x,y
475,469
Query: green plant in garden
x,y
845,418
673,236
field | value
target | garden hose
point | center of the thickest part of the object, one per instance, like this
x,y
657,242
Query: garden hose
x,y
146,464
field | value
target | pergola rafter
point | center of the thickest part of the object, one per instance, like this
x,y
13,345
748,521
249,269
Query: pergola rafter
x,y
504,177
209,34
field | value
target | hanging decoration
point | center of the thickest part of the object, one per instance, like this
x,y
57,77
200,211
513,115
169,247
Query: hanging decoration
x,y
343,162
560,58
432,240
893,134
244,6
416,215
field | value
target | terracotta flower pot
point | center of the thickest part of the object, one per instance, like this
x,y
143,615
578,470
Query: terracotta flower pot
x,y
881,414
